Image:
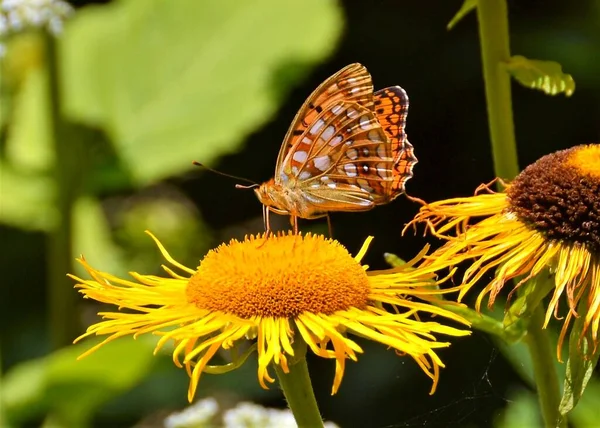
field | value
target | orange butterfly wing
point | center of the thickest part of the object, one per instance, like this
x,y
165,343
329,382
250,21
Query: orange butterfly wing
x,y
391,109
352,83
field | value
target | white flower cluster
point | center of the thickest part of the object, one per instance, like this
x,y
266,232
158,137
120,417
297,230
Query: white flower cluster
x,y
18,15
197,415
244,415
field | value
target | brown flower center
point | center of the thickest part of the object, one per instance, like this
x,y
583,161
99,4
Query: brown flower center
x,y
559,195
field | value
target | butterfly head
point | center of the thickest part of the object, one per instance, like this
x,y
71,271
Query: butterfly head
x,y
265,193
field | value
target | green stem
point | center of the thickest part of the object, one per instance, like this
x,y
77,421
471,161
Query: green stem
x,y
63,323
299,394
544,371
495,52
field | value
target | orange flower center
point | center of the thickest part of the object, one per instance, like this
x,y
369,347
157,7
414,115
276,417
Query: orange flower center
x,y
587,160
280,277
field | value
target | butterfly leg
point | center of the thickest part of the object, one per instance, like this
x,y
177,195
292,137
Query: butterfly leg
x,y
295,223
329,225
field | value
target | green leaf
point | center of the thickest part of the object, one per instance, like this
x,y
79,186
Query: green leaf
x,y
27,199
528,297
522,411
72,389
547,76
393,260
92,238
466,7
176,81
586,412
28,143
581,362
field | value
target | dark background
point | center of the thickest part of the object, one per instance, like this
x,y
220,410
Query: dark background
x,y
402,43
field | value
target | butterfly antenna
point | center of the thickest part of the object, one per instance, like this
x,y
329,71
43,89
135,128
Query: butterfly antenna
x,y
235,177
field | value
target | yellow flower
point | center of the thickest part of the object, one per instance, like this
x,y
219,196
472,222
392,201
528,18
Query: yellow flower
x,y
280,290
547,218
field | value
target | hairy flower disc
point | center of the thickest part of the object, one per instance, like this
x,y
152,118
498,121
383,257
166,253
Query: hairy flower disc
x,y
308,274
559,195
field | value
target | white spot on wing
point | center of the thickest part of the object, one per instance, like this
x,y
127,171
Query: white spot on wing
x,y
322,163
295,170
304,175
331,185
317,126
352,113
381,152
328,133
350,170
352,154
307,140
336,109
336,141
365,123
300,156
283,177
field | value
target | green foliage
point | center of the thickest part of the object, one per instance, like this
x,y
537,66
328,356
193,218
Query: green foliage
x,y
546,76
522,411
71,390
466,7
176,81
581,363
528,296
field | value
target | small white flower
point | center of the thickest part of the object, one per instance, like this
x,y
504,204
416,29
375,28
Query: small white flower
x,y
17,15
197,415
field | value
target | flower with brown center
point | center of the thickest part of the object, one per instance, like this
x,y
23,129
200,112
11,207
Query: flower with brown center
x,y
548,218
281,291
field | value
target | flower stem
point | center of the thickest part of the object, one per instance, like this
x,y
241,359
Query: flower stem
x,y
495,52
546,378
298,391
61,296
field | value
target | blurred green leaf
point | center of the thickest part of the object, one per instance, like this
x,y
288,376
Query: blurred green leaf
x,y
586,412
522,411
92,238
28,143
176,81
581,362
466,7
69,389
27,199
547,76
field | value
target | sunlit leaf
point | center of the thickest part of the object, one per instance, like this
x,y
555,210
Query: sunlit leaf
x,y
467,6
27,200
581,363
176,81
546,76
28,142
92,238
72,389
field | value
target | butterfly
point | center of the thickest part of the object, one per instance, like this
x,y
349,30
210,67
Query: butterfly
x,y
346,150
